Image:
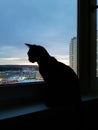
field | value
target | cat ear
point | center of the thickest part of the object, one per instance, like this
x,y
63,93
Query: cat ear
x,y
29,45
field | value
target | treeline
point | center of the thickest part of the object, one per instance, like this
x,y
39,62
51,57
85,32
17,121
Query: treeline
x,y
16,67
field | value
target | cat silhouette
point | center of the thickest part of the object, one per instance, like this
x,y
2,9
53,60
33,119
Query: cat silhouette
x,y
62,83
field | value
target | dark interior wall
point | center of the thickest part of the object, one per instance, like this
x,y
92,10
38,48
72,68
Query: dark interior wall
x,y
59,117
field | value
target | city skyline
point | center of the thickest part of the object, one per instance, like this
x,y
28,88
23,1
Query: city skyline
x,y
49,23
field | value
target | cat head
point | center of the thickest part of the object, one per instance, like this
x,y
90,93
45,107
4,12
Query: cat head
x,y
36,53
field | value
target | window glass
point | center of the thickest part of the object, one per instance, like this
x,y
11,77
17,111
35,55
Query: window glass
x,y
50,23
97,55
97,44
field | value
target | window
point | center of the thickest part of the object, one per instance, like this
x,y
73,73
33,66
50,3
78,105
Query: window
x,y
52,24
67,24
97,43
47,23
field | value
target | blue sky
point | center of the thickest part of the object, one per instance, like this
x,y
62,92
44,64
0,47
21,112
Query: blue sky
x,y
50,23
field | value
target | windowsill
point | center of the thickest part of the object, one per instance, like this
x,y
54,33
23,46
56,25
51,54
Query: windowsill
x,y
23,110
27,109
89,98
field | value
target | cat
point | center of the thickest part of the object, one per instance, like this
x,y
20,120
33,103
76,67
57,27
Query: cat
x,y
62,83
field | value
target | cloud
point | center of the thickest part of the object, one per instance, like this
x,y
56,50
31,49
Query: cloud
x,y
49,23
14,61
10,59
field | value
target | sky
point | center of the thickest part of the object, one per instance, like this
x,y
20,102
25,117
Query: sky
x,y
50,23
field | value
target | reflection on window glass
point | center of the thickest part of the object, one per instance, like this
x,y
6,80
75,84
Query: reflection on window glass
x,y
50,23
97,56
97,45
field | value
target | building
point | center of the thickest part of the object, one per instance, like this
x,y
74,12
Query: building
x,y
73,54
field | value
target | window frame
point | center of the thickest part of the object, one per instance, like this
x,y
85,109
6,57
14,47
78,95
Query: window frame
x,y
87,46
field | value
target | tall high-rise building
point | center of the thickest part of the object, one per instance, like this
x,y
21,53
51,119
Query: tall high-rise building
x,y
73,54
